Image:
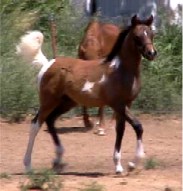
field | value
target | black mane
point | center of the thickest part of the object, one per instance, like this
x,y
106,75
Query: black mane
x,y
117,45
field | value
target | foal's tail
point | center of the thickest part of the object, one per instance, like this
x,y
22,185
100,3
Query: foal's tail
x,y
30,48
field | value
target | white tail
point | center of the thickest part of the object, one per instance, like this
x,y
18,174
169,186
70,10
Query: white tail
x,y
30,48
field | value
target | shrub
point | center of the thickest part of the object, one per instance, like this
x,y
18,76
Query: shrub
x,y
44,180
161,79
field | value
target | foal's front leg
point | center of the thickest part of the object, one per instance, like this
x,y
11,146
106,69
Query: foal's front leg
x,y
120,128
137,126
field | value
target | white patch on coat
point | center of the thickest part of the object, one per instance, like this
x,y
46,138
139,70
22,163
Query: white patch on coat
x,y
145,33
88,86
43,70
115,63
103,78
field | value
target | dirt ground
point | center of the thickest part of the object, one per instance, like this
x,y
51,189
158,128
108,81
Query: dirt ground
x,y
88,157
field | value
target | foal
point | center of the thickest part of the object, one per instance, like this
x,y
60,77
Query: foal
x,y
65,82
97,42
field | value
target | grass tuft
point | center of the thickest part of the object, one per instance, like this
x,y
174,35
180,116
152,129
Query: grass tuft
x,y
45,180
151,163
5,175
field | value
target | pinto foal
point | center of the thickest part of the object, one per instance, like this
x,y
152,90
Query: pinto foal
x,y
65,82
97,42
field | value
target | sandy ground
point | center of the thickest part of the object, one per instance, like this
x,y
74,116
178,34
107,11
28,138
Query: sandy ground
x,y
88,157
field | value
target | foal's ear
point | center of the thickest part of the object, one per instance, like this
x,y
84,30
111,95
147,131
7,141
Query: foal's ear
x,y
135,20
149,21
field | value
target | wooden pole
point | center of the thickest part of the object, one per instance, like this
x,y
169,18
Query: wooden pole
x,y
53,35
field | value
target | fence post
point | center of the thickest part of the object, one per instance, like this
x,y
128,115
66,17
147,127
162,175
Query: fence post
x,y
53,35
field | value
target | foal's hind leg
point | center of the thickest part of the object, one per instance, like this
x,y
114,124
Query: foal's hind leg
x,y
35,126
65,105
139,132
47,106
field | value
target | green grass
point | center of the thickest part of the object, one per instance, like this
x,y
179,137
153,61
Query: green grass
x,y
5,175
151,163
44,180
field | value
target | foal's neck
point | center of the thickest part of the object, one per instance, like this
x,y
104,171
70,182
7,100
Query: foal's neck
x,y
130,56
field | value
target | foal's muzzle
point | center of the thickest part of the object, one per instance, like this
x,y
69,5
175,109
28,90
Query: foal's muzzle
x,y
150,55
148,51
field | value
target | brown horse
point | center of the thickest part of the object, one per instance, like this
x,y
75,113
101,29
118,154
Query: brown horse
x,y
65,82
97,42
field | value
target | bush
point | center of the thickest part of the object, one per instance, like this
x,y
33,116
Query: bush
x,y
161,79
19,91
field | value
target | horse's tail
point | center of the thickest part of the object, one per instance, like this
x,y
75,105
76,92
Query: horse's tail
x,y
30,48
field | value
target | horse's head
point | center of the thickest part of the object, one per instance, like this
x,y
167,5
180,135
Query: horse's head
x,y
143,36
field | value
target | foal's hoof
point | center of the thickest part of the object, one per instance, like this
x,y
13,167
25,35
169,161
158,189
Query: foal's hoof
x,y
121,174
131,166
58,167
119,169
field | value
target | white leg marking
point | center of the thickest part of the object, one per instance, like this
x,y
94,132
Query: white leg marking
x,y
145,32
33,132
117,161
138,155
59,154
140,149
88,86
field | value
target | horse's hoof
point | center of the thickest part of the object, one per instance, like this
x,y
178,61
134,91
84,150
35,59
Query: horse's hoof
x,y
28,169
119,169
57,166
131,166
100,132
121,174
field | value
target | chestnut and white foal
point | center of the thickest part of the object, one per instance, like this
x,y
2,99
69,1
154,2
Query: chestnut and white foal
x,y
65,82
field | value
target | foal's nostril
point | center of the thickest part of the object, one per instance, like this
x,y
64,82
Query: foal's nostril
x,y
152,53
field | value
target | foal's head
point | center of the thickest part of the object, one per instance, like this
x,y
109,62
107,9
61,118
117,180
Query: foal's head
x,y
143,36
139,37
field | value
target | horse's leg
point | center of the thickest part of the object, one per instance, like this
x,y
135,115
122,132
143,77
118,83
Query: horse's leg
x,y
50,121
87,122
65,105
35,126
137,126
48,104
120,128
101,122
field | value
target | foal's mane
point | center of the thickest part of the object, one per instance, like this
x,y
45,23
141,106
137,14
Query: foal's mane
x,y
118,44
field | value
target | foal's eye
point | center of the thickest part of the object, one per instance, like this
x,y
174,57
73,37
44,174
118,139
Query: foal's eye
x,y
138,40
